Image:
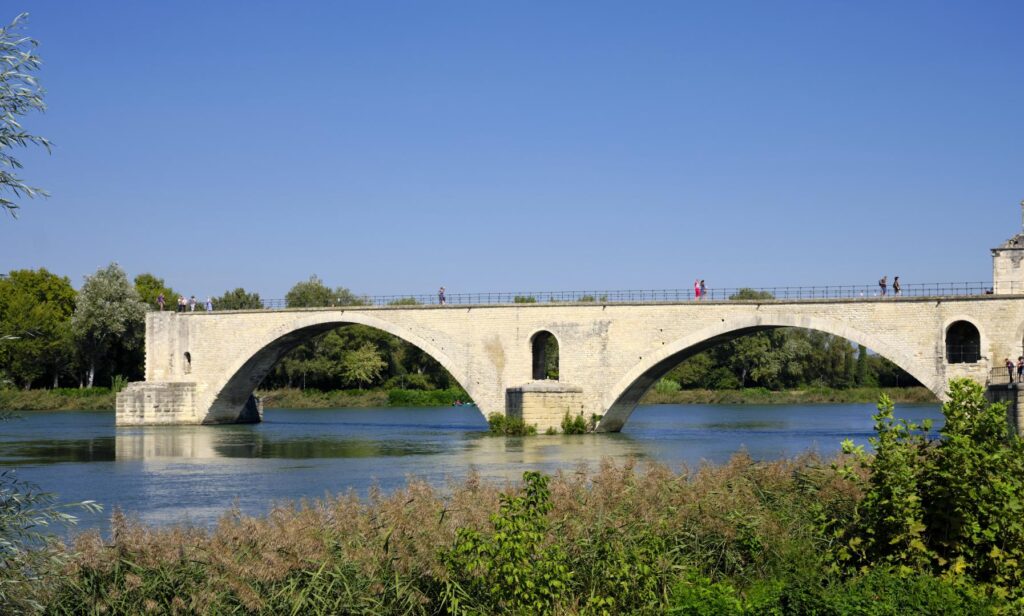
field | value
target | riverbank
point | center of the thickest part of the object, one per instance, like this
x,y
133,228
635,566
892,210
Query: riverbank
x,y
819,395
94,399
102,399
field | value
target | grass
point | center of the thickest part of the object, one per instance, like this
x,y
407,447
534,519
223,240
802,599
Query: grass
x,y
95,399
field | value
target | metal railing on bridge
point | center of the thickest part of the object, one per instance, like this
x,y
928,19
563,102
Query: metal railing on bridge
x,y
940,289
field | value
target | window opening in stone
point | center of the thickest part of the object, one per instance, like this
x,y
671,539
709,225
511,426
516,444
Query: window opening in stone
x,y
545,356
963,343
188,362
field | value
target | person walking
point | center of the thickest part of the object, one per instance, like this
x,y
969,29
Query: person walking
x,y
1020,369
181,303
160,301
440,296
1009,368
897,289
696,289
703,290
883,282
209,304
192,304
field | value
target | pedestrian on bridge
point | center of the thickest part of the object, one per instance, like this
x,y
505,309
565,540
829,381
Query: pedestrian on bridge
x,y
440,296
897,289
696,289
703,290
209,304
1009,368
883,282
160,301
1020,369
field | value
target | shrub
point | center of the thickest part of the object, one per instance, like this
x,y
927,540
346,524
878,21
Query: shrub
x,y
117,383
509,426
699,596
435,397
666,386
513,569
951,506
524,299
574,424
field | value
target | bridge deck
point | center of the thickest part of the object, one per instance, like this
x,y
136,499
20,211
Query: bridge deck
x,y
373,303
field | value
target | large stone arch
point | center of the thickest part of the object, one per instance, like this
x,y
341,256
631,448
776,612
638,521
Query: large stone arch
x,y
229,393
623,397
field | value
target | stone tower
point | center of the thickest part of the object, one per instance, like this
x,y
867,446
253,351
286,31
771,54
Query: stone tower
x,y
1008,264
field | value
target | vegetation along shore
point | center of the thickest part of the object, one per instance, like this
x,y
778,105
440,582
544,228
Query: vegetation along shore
x,y
102,398
907,529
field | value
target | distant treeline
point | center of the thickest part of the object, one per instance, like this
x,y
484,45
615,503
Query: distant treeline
x,y
54,336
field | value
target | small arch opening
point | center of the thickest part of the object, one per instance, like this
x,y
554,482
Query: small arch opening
x,y
963,343
188,362
545,356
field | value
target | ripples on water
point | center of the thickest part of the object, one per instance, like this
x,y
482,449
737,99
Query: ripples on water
x,y
166,474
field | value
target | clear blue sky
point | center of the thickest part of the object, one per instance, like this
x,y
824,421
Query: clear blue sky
x,y
393,147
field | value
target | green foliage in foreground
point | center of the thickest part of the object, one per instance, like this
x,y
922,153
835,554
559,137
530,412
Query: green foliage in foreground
x,y
20,95
509,426
952,506
926,526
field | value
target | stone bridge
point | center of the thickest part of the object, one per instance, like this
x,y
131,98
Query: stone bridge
x,y
202,368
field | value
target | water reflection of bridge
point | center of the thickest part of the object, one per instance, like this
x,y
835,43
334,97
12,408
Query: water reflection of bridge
x,y
472,449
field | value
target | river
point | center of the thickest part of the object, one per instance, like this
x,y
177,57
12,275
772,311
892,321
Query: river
x,y
192,474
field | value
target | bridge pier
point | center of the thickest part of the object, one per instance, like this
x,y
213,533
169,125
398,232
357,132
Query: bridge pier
x,y
1013,396
171,403
544,403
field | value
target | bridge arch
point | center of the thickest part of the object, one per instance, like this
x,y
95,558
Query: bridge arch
x,y
230,393
541,344
623,397
962,338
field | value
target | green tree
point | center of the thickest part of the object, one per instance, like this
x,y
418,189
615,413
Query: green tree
x,y
35,308
362,366
108,314
239,299
862,375
20,94
748,293
313,293
149,288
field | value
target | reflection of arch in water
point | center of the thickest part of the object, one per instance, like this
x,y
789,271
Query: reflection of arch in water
x,y
625,395
231,393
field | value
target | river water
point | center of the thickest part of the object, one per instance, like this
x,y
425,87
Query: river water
x,y
192,474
